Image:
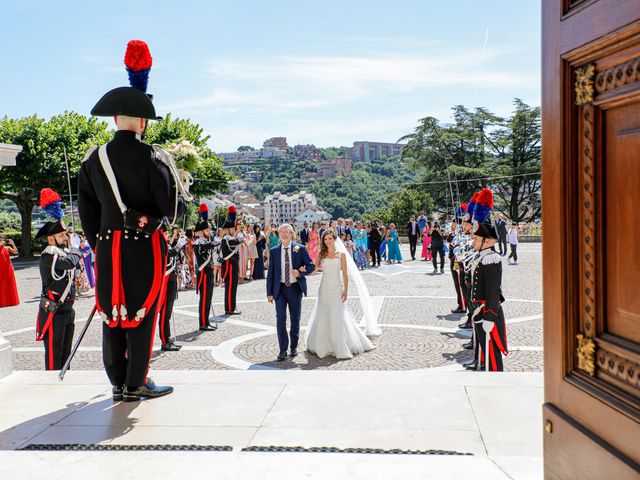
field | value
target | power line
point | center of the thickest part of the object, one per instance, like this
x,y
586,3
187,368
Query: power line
x,y
437,182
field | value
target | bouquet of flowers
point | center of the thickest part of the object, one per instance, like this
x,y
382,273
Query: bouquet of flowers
x,y
187,160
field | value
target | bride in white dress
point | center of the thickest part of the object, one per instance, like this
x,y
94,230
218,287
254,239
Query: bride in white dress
x,y
332,329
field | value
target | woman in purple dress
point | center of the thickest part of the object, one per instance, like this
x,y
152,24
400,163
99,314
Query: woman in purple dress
x,y
87,256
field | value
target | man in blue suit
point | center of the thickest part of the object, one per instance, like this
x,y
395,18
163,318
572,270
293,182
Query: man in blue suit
x,y
286,283
304,234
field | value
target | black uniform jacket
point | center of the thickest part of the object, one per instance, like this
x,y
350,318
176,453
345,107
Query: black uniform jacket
x,y
129,266
486,293
204,249
57,272
230,244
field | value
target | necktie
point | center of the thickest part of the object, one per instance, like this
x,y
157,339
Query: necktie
x,y
287,268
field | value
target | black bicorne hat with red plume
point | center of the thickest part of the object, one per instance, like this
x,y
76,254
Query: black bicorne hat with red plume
x,y
231,218
203,224
132,101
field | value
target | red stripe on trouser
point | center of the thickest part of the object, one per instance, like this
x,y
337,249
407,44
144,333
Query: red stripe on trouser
x,y
51,348
496,338
230,286
203,301
159,267
116,277
460,280
492,358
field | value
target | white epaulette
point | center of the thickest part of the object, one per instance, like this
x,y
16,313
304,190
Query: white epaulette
x,y
89,152
53,250
491,258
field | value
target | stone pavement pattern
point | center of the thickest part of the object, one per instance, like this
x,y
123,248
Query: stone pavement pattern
x,y
418,329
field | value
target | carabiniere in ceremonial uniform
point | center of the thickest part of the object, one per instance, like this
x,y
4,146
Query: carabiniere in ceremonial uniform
x,y
229,252
204,250
486,294
55,322
126,187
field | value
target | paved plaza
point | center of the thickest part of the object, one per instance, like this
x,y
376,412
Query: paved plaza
x,y
404,410
414,306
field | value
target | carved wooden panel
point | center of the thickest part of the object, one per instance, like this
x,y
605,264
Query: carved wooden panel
x,y
607,109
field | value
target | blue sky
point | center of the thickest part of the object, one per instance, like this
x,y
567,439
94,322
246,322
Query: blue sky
x,y
324,72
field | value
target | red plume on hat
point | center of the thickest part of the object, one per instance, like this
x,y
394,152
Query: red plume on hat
x,y
232,214
204,211
138,61
484,205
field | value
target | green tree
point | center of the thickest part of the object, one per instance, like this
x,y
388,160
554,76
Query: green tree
x,y
404,204
474,151
41,162
515,144
246,148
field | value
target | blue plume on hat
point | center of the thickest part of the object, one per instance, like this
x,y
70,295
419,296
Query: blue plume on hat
x,y
461,210
51,203
484,205
138,61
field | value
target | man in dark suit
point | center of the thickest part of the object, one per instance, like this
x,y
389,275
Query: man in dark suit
x,y
501,227
286,283
413,231
304,234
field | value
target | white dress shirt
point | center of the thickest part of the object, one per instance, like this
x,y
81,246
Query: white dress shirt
x,y
414,228
282,264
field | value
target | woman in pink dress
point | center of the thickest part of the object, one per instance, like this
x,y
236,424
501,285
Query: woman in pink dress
x,y
426,243
313,247
243,251
8,289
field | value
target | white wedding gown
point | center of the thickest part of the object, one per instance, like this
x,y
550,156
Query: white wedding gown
x,y
332,329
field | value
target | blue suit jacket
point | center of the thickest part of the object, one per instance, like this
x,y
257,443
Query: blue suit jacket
x,y
304,236
299,258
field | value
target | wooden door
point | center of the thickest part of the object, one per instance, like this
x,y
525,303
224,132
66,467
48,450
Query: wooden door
x,y
591,244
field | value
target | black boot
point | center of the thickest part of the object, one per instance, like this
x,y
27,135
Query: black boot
x,y
208,328
459,310
148,390
465,325
170,347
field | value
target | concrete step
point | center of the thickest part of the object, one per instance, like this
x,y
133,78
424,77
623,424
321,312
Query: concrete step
x,y
494,417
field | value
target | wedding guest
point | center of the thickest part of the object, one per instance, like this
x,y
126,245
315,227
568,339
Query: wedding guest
x,y
383,243
314,241
393,245
413,231
217,266
8,288
274,238
261,245
437,247
348,243
188,255
369,231
374,243
512,237
426,242
253,250
304,234
501,227
87,258
360,239
243,251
